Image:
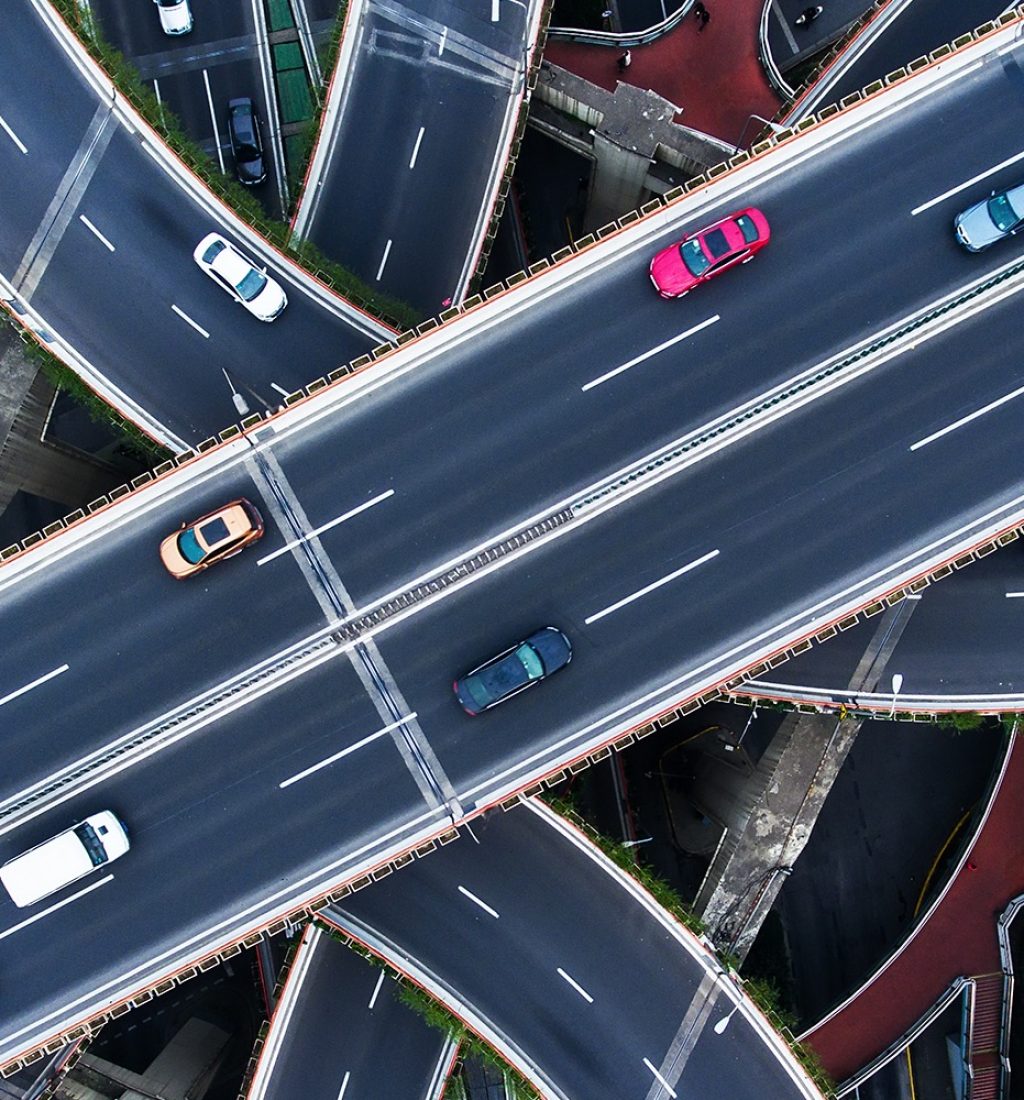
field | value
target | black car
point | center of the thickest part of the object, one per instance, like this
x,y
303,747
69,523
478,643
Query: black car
x,y
514,670
246,141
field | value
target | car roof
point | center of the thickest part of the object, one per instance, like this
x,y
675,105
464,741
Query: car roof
x,y
231,265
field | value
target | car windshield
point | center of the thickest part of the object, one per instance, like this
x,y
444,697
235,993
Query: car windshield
x,y
189,547
1002,213
169,3
693,256
92,843
746,226
247,152
251,285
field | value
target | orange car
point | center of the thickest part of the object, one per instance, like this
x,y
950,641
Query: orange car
x,y
211,539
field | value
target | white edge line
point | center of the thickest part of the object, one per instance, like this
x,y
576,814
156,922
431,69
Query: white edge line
x,y
281,1017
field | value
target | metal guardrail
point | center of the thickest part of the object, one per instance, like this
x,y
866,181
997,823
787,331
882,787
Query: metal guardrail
x,y
582,36
790,390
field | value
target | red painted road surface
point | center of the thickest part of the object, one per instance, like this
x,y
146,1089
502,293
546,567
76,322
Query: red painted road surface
x,y
958,939
714,74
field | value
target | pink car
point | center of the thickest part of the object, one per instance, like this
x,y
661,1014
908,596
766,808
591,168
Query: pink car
x,y
676,270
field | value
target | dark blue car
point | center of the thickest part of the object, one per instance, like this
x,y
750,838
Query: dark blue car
x,y
513,671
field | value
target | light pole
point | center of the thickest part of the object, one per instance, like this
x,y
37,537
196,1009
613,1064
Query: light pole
x,y
897,683
773,126
241,405
723,1023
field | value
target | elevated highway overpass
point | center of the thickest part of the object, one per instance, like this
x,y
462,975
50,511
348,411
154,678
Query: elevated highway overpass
x,y
286,723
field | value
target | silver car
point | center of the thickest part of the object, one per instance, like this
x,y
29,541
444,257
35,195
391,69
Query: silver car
x,y
1001,215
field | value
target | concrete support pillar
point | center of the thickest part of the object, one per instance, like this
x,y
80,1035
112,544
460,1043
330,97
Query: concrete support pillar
x,y
769,822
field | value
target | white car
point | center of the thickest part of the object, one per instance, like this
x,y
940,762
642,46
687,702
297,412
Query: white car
x,y
175,16
240,277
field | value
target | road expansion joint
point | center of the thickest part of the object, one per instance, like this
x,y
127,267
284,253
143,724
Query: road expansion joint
x,y
333,597
171,727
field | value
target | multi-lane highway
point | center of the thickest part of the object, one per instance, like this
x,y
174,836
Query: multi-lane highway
x,y
97,238
328,763
589,988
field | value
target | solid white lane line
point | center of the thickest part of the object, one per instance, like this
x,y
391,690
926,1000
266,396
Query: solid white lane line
x,y
661,1080
345,752
967,419
188,320
88,225
213,119
376,989
440,45
344,1085
327,526
53,908
1009,596
483,904
651,587
495,10
156,89
384,259
967,183
12,135
647,354
34,684
576,985
416,147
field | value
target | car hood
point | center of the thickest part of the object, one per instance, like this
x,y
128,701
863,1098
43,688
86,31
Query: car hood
x,y
977,229
669,273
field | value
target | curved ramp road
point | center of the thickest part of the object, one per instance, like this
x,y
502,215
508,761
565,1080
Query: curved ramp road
x,y
902,31
552,953
280,724
416,132
227,54
340,1030
97,238
956,646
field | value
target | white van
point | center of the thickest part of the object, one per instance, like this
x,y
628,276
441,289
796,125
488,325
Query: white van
x,y
64,858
